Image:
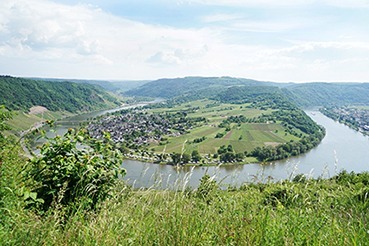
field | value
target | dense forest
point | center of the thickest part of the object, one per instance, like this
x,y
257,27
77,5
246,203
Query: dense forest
x,y
169,88
110,85
21,94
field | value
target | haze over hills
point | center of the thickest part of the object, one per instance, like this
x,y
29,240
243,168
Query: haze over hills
x,y
168,88
303,94
328,94
110,85
75,94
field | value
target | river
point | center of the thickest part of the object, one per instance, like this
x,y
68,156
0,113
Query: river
x,y
342,148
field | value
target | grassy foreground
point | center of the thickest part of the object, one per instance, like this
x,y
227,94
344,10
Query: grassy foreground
x,y
299,212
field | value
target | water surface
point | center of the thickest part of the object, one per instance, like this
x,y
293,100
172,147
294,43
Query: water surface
x,y
342,148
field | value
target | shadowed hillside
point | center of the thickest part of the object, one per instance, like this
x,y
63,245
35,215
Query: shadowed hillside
x,y
19,93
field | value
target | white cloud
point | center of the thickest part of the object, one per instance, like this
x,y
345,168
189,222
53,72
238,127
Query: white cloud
x,y
42,30
271,3
348,4
42,38
283,3
220,18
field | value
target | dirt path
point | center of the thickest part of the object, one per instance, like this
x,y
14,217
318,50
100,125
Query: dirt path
x,y
228,135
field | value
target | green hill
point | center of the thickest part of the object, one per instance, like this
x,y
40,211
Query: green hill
x,y
109,85
328,94
21,94
169,88
304,95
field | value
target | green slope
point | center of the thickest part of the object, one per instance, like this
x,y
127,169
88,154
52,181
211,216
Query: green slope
x,y
169,88
328,94
21,94
305,94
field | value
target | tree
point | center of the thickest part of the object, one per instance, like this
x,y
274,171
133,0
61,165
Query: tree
x,y
186,158
196,157
239,157
176,158
227,157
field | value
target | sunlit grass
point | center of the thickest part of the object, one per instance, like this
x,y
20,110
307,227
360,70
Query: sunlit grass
x,y
300,212
242,137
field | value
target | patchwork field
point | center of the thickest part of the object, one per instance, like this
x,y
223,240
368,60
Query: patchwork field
x,y
243,137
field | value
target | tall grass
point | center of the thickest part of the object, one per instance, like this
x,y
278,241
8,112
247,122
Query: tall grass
x,y
299,212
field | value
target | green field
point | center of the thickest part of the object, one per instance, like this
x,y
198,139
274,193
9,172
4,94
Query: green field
x,y
22,121
243,137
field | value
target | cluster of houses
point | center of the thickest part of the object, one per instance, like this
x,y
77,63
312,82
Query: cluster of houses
x,y
359,118
137,127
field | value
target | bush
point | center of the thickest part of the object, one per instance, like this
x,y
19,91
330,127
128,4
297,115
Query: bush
x,y
74,169
207,189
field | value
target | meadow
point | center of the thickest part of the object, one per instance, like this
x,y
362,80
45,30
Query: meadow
x,y
22,121
243,137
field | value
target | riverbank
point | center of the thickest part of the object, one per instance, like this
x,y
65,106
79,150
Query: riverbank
x,y
354,117
200,164
209,132
341,149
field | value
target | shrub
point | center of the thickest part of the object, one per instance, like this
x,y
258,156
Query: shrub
x,y
74,169
207,189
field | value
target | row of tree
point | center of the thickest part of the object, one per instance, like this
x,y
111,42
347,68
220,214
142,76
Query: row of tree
x,y
184,158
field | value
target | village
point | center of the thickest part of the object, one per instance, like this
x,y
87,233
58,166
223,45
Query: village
x,y
133,130
139,127
355,117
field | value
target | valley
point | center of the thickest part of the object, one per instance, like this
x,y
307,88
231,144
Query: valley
x,y
292,173
212,131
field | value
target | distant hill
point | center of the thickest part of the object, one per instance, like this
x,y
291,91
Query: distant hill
x,y
110,85
126,85
20,93
304,94
328,94
243,94
169,88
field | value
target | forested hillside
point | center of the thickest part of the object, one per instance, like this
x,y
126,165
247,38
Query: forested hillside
x,y
21,94
243,94
114,86
168,88
304,94
328,94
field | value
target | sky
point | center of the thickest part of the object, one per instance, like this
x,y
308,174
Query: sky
x,y
269,40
